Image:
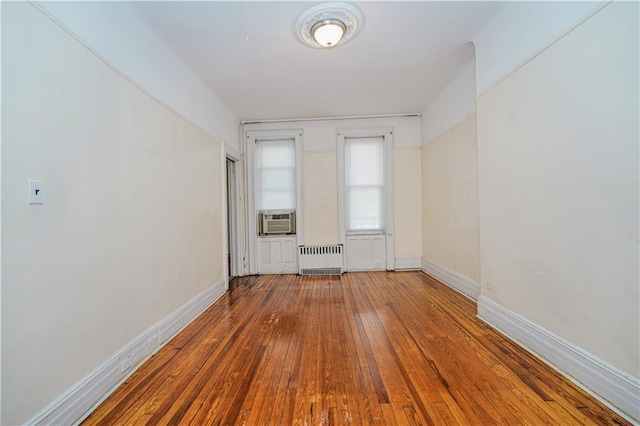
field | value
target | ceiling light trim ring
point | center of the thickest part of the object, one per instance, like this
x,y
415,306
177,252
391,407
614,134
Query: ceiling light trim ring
x,y
346,14
320,27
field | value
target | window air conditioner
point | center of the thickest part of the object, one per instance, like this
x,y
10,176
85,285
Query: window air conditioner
x,y
274,223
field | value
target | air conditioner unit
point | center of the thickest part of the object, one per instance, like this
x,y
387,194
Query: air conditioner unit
x,y
274,223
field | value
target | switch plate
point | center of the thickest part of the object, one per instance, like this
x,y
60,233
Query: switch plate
x,y
35,192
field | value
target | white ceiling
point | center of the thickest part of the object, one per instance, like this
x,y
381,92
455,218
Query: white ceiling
x,y
249,54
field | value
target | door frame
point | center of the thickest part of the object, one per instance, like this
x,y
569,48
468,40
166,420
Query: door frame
x,y
387,134
233,225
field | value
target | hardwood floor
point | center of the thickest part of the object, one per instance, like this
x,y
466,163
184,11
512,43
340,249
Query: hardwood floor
x,y
363,348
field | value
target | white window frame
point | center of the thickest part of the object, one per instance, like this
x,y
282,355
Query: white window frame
x,y
252,137
387,134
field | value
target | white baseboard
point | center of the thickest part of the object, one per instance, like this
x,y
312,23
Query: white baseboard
x,y
618,390
458,282
408,263
77,403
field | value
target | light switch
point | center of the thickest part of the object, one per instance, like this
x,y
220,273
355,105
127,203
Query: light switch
x,y
35,192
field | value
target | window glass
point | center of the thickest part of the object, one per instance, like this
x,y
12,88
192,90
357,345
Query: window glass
x,y
276,172
364,172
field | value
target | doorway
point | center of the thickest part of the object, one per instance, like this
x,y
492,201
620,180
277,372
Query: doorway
x,y
233,261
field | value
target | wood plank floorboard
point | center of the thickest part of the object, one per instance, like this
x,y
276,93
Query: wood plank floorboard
x,y
370,348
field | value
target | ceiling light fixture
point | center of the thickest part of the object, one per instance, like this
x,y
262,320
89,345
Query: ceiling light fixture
x,y
329,25
328,33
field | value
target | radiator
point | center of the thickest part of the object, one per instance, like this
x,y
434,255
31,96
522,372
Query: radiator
x,y
320,260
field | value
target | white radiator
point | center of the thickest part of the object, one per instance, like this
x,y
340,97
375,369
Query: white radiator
x,y
320,260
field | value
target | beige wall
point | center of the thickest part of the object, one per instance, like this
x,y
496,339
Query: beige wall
x,y
131,225
406,203
320,193
450,230
558,164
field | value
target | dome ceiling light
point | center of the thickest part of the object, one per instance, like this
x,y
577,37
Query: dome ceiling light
x,y
328,33
329,25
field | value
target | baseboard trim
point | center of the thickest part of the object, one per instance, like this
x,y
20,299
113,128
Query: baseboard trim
x,y
78,402
408,263
613,387
462,284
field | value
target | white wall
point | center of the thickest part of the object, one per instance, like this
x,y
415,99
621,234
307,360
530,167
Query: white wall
x,y
117,32
518,30
130,229
320,192
320,135
453,104
558,163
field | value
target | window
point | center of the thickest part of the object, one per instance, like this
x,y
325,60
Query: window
x,y
276,174
365,197
364,181
274,182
